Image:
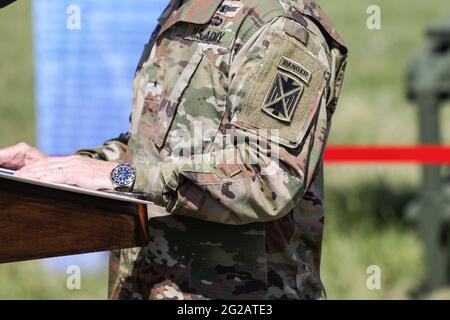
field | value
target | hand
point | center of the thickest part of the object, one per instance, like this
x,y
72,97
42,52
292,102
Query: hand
x,y
74,170
20,155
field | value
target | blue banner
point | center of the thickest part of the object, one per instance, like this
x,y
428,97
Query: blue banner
x,y
86,53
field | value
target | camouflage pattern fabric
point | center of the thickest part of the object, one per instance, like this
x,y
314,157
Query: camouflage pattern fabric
x,y
232,108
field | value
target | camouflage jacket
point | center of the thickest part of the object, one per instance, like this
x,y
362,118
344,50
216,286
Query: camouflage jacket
x,y
232,107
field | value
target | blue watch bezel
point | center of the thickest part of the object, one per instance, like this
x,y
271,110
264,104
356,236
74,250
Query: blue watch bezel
x,y
123,184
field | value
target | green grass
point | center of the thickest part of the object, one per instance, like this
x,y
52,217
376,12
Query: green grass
x,y
29,280
373,95
365,204
366,226
16,80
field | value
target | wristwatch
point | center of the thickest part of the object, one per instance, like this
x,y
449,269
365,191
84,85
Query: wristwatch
x,y
123,177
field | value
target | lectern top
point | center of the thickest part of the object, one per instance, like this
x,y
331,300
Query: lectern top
x,y
120,196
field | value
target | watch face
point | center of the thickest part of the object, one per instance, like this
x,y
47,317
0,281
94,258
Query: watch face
x,y
123,175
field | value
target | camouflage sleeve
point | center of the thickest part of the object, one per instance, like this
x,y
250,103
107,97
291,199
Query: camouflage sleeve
x,y
112,150
273,141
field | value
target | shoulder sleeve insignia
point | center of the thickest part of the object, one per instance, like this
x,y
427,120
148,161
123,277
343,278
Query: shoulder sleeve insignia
x,y
285,90
283,97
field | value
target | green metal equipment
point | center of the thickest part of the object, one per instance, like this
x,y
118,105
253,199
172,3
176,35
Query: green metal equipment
x,y
429,88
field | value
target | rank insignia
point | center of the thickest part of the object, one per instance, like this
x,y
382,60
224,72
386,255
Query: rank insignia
x,y
283,97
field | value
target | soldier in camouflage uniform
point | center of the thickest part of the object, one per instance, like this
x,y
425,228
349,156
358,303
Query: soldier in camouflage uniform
x,y
243,219
233,232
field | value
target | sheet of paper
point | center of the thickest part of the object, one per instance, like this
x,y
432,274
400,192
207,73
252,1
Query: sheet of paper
x,y
126,197
6,171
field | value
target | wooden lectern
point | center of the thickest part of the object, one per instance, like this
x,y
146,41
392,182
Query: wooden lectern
x,y
41,220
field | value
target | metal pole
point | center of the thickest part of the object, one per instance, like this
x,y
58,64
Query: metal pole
x,y
431,220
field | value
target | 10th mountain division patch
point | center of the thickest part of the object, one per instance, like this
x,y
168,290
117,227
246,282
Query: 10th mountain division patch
x,y
286,90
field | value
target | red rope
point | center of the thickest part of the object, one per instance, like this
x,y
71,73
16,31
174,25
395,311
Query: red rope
x,y
424,154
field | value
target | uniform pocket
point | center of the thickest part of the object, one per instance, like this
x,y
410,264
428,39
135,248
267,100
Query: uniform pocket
x,y
193,112
169,104
147,95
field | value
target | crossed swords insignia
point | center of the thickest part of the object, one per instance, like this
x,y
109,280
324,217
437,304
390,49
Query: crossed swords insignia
x,y
282,98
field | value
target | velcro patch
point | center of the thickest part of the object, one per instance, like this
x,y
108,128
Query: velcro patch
x,y
211,36
285,90
230,8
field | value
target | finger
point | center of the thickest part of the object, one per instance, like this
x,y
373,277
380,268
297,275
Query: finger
x,y
54,178
5,153
32,169
9,155
60,179
45,175
36,175
48,161
29,171
48,164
